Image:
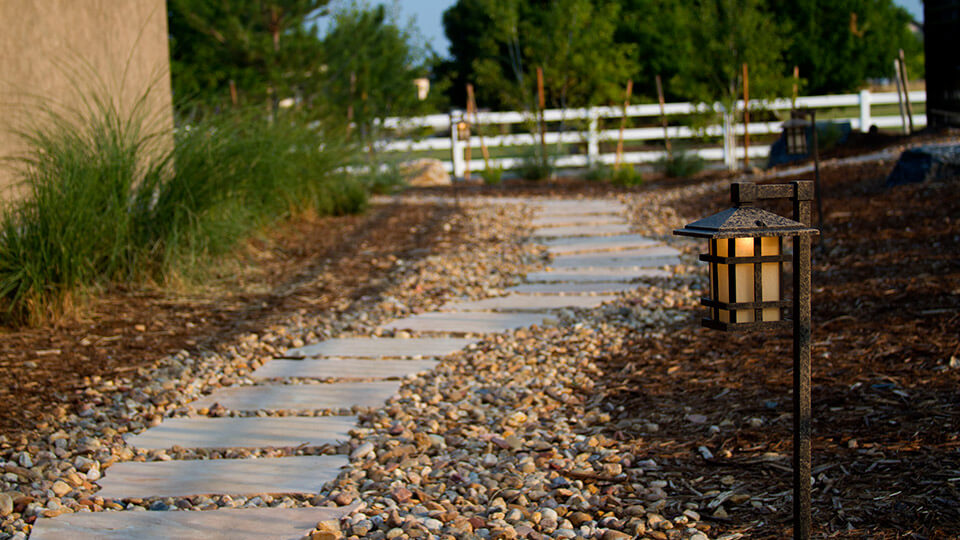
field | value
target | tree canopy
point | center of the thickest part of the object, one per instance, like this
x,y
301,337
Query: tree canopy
x,y
697,46
360,70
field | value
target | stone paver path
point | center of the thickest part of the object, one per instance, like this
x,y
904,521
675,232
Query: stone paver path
x,y
298,474
595,257
224,524
252,432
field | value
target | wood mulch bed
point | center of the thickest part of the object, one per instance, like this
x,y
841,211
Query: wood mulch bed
x,y
886,378
117,332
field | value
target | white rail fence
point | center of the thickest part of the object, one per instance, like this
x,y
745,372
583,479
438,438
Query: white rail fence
x,y
729,130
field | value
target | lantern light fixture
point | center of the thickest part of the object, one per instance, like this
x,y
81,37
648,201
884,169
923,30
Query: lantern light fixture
x,y
746,258
795,134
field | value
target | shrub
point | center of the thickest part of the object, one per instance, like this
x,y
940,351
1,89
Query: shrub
x,y
599,172
681,164
535,167
492,176
626,175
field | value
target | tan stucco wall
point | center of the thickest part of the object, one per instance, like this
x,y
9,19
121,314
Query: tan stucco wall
x,y
51,48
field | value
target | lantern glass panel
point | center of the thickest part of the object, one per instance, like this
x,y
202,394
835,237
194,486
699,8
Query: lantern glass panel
x,y
796,140
742,281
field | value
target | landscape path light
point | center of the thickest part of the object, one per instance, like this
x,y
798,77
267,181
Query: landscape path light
x,y
795,134
746,258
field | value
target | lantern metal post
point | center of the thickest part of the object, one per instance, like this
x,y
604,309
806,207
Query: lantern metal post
x,y
745,222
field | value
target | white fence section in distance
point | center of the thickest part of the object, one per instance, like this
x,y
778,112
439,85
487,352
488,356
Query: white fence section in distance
x,y
592,136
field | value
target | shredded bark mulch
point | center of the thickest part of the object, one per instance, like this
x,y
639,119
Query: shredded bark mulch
x,y
886,378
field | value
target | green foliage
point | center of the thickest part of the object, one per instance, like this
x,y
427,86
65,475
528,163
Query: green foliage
x,y
384,179
839,44
625,175
492,176
722,36
109,202
266,47
681,164
370,65
499,44
697,47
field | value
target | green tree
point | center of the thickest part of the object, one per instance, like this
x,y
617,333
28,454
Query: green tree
x,y
656,29
370,63
839,44
266,47
498,44
722,35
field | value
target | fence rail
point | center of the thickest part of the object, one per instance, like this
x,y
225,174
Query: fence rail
x,y
446,138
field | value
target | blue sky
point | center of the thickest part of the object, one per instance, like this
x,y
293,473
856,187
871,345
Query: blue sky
x,y
428,17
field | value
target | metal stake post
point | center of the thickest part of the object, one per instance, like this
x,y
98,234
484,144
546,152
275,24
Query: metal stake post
x,y
801,194
801,368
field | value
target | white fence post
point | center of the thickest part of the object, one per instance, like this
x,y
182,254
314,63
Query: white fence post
x,y
593,138
729,142
865,120
457,146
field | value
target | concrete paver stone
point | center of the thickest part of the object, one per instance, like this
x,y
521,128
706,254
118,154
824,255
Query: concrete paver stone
x,y
582,219
517,302
222,524
354,368
383,347
301,396
250,432
297,474
573,288
467,323
596,274
642,258
580,230
566,245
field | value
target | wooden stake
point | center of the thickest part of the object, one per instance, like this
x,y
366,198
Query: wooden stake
x,y
796,85
663,117
623,124
746,118
233,92
543,122
353,88
896,75
906,89
472,106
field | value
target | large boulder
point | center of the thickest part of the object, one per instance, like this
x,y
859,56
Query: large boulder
x,y
425,173
932,162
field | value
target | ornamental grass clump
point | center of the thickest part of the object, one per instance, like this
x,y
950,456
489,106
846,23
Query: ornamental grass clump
x,y
108,199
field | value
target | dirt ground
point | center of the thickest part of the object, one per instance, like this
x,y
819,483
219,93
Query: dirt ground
x,y
886,378
122,331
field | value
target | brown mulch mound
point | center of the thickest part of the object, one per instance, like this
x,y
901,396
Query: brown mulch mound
x,y
44,368
886,378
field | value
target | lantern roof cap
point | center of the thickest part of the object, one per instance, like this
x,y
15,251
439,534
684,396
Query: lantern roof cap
x,y
744,221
